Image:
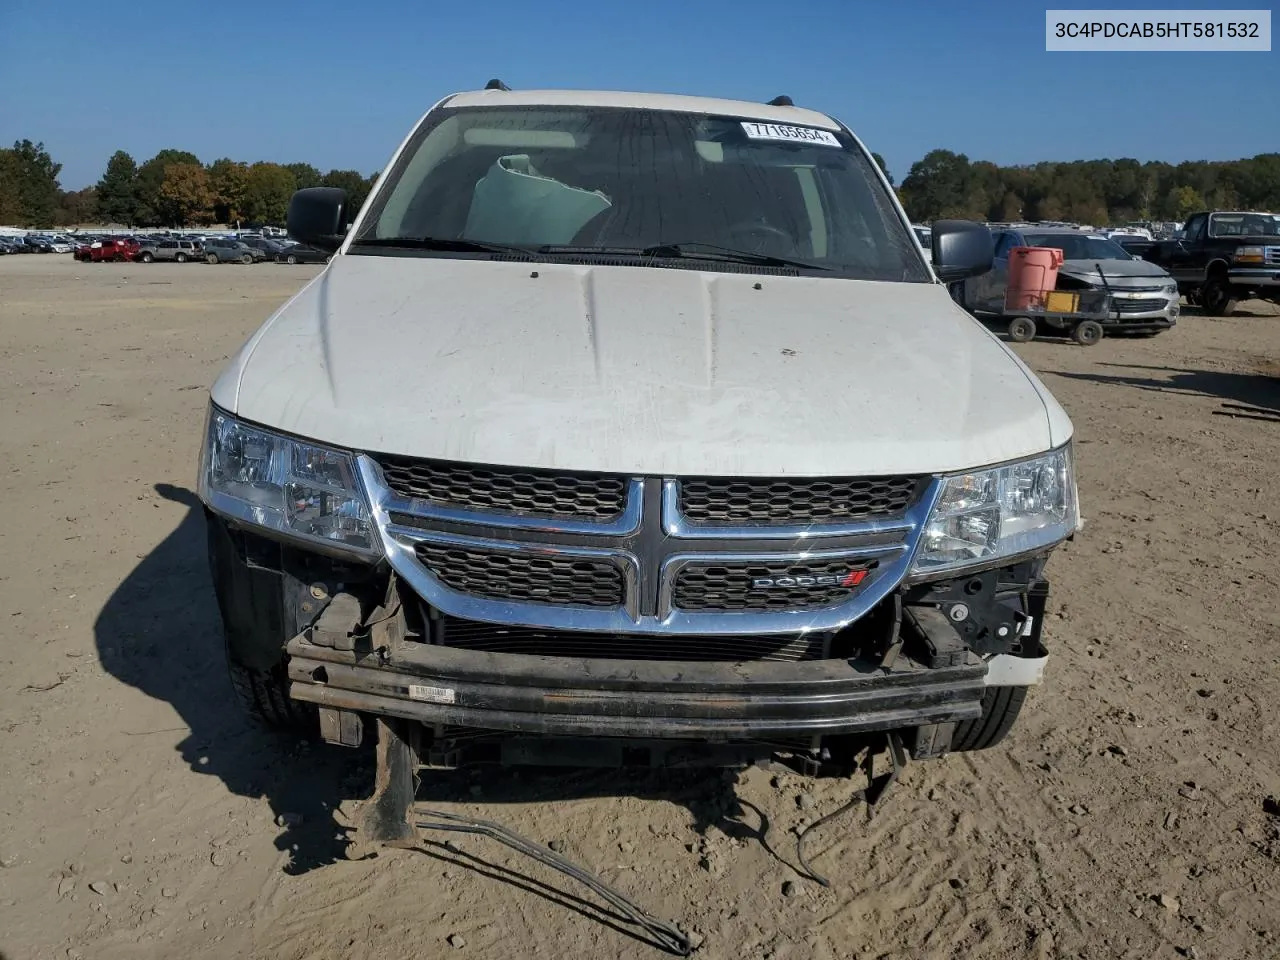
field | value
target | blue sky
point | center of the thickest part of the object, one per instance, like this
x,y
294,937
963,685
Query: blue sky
x,y
338,84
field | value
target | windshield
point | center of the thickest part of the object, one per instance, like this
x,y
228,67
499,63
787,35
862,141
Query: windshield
x,y
1080,246
1244,225
612,181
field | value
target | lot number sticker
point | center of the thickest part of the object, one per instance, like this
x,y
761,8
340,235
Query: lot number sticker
x,y
778,131
431,694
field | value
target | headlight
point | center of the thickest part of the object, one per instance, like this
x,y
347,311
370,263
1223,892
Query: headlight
x,y
298,489
1170,290
1002,512
1248,255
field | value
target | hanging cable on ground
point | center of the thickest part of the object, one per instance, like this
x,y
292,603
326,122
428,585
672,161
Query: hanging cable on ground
x,y
667,935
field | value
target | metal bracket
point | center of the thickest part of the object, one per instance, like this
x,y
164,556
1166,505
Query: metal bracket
x,y
386,817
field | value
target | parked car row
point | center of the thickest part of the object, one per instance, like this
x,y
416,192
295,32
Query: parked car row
x,y
214,249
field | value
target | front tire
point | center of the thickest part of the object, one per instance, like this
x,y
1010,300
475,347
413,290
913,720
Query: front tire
x,y
264,696
1000,708
1216,298
291,259
246,259
211,258
181,258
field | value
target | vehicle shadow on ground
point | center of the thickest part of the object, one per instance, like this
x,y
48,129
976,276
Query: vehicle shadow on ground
x,y
160,632
1243,394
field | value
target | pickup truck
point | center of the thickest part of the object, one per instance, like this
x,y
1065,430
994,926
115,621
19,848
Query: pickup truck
x,y
632,429
1223,257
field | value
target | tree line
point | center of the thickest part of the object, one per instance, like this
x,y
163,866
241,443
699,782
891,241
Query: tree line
x,y
172,189
1098,192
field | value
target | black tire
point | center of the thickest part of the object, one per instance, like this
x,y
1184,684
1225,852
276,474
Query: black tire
x,y
291,259
1022,329
264,695
146,257
1087,333
1000,708
181,258
1216,298
246,258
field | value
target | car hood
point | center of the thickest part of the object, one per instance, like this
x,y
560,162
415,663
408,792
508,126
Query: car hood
x,y
638,369
1119,273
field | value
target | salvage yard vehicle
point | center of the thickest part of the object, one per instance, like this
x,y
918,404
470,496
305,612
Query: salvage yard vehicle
x,y
301,253
115,250
179,251
1224,257
1143,295
632,429
226,250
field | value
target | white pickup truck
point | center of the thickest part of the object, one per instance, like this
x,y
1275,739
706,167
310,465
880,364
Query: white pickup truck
x,y
626,428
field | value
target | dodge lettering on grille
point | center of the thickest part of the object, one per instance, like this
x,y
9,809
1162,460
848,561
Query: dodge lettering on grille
x,y
850,579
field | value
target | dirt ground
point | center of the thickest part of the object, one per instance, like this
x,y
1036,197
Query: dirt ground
x,y
1126,817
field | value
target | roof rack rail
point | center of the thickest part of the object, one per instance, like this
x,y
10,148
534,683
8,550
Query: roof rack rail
x,y
496,84
781,101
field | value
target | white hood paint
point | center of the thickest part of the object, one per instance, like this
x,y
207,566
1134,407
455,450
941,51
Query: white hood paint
x,y
639,370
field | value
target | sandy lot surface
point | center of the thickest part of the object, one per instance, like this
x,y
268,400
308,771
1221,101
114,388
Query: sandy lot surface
x,y
1127,816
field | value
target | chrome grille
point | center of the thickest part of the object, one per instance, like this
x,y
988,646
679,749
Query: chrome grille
x,y
740,586
1273,256
538,493
560,580
1139,304
803,501
495,638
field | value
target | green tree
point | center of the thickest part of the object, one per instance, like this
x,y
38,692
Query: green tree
x,y
357,188
76,206
185,195
304,175
29,188
10,199
228,180
118,190
268,188
936,185
150,177
881,164
1184,201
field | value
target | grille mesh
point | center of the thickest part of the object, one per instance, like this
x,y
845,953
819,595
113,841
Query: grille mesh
x,y
767,501
507,490
560,580
492,638
1139,305
729,586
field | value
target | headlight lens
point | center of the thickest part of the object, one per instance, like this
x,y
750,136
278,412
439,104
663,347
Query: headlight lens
x,y
299,489
1171,290
1002,512
1249,255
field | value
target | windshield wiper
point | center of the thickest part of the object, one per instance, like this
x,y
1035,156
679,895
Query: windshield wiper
x,y
695,250
698,250
445,244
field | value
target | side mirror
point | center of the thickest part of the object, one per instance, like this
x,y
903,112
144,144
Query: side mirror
x,y
318,217
961,248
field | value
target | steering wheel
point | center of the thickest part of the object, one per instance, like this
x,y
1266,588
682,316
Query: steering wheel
x,y
758,236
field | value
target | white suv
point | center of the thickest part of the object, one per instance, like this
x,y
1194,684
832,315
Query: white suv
x,y
633,428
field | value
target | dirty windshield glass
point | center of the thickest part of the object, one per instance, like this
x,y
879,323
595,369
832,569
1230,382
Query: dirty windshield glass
x,y
1080,247
583,181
